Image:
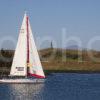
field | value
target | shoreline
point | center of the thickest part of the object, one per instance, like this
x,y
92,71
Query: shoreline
x,y
71,71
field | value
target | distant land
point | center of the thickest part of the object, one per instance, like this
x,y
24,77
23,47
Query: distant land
x,y
58,60
73,47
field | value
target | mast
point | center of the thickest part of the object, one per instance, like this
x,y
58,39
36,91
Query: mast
x,y
27,30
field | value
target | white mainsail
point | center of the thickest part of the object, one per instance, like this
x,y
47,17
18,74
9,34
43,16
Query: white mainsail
x,y
19,67
26,59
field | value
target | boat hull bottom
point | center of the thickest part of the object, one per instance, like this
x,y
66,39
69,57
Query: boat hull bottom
x,y
23,81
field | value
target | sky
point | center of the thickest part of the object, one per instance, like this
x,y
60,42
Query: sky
x,y
52,20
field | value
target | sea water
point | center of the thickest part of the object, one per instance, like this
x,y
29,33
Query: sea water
x,y
57,86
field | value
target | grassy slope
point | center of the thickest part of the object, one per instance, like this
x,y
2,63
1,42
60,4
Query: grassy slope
x,y
58,60
74,60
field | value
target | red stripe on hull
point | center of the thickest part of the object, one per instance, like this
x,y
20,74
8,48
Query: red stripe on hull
x,y
37,76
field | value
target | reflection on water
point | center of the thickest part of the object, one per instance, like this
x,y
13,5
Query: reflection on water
x,y
25,91
66,86
21,91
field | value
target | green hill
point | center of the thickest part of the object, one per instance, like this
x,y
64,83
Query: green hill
x,y
58,60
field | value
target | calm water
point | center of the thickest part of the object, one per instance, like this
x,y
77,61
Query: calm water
x,y
56,87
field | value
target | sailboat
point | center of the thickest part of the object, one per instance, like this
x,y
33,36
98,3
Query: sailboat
x,y
26,66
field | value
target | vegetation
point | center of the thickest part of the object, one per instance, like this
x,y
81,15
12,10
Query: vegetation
x,y
58,60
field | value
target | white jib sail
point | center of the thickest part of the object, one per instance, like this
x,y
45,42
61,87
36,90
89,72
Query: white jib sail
x,y
19,67
35,64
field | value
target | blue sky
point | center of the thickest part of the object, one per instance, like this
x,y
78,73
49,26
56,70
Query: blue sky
x,y
81,18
